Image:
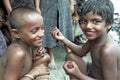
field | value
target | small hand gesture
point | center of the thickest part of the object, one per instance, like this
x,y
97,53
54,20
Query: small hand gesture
x,y
38,52
71,68
55,32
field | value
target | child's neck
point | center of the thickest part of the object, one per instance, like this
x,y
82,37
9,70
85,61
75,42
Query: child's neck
x,y
101,40
27,47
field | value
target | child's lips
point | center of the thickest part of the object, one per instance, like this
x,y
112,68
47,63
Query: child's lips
x,y
89,33
39,40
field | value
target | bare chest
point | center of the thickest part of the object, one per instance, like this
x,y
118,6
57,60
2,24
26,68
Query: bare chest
x,y
27,65
95,55
96,63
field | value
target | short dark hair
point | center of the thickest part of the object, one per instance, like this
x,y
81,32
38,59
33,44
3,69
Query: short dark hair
x,y
104,8
16,16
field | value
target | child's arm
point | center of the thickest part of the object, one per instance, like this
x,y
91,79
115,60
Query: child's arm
x,y
7,6
75,15
71,2
109,61
37,5
73,8
79,50
72,69
39,70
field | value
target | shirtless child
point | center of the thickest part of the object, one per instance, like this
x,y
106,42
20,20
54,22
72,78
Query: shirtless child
x,y
96,20
18,61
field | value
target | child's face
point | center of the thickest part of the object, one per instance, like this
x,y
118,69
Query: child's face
x,y
33,31
2,17
92,25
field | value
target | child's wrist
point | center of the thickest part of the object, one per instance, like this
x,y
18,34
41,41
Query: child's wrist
x,y
34,72
64,40
29,76
37,69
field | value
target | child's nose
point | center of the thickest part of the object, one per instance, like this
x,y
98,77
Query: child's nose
x,y
89,25
41,33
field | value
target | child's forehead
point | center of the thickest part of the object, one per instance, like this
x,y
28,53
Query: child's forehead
x,y
92,15
35,21
32,16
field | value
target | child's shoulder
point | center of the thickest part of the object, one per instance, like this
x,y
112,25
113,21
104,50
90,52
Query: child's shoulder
x,y
16,50
110,48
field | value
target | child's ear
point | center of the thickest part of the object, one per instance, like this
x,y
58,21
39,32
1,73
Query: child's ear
x,y
109,27
15,33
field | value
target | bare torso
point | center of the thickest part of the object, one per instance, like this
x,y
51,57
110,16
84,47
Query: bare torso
x,y
96,66
97,70
27,62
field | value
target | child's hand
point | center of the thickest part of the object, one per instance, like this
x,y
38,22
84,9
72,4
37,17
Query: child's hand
x,y
55,32
69,64
38,53
71,68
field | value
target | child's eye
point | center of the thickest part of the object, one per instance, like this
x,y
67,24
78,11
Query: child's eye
x,y
34,30
83,21
95,21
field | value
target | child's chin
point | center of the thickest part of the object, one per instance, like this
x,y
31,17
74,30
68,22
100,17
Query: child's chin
x,y
91,38
37,45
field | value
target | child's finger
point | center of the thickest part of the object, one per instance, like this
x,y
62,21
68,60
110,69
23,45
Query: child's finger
x,y
65,65
53,29
41,50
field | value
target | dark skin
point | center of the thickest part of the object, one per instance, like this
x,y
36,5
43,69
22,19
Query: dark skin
x,y
105,53
18,59
40,57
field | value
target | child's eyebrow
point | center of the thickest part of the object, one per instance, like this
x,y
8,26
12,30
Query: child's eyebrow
x,y
82,18
100,19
